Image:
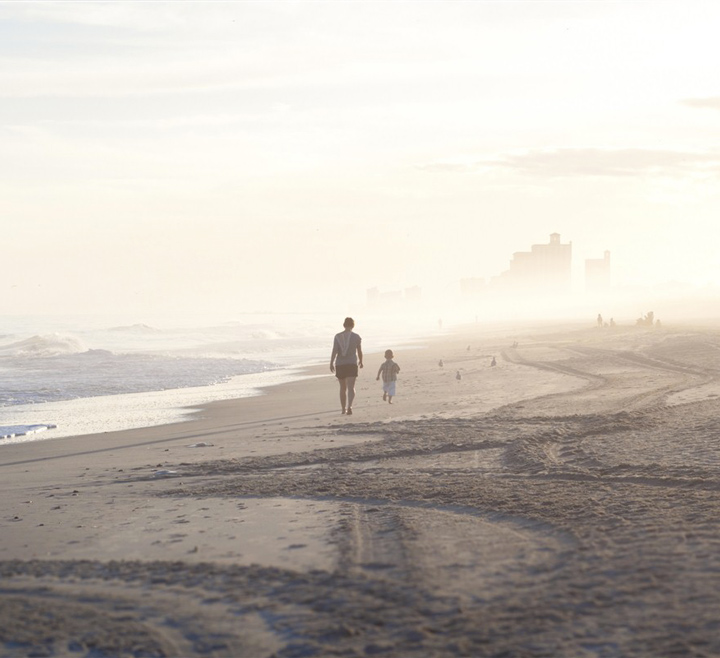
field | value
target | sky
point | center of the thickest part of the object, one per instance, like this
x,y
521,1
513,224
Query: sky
x,y
283,155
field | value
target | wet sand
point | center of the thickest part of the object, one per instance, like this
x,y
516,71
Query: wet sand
x,y
563,503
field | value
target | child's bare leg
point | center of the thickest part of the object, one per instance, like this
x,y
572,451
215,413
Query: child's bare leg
x,y
389,399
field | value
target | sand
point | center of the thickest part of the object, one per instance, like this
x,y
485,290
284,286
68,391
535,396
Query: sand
x,y
565,502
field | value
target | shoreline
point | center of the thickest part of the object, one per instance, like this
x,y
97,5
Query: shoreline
x,y
196,419
122,412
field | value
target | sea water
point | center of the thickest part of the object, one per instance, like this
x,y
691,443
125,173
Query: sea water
x,y
70,376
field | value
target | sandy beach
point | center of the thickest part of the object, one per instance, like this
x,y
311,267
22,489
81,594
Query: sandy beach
x,y
563,503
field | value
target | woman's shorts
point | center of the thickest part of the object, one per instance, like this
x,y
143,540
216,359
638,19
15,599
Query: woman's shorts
x,y
350,370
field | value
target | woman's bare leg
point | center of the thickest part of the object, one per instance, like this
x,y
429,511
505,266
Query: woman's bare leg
x,y
343,393
350,391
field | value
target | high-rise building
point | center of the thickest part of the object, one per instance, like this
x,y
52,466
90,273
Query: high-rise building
x,y
377,298
472,286
597,273
545,268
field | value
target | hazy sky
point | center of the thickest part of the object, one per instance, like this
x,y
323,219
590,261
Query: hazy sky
x,y
244,155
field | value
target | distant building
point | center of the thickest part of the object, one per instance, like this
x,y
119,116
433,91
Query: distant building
x,y
472,286
376,298
597,273
546,268
373,296
413,294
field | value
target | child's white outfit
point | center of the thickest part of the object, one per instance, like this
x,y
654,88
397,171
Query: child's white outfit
x,y
389,371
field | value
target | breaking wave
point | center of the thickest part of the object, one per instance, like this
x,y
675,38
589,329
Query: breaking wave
x,y
43,346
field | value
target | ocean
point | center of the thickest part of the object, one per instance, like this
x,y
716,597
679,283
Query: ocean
x,y
78,375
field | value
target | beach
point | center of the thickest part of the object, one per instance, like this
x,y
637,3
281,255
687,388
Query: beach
x,y
563,503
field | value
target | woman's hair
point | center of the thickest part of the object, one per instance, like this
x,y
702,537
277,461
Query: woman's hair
x,y
388,354
349,323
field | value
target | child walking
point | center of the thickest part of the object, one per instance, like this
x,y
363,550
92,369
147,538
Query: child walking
x,y
389,370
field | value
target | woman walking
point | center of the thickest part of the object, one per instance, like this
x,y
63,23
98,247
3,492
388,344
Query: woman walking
x,y
345,360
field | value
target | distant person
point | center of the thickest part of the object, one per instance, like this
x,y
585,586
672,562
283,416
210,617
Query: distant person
x,y
647,321
599,320
389,371
345,360
458,376
441,364
493,363
612,322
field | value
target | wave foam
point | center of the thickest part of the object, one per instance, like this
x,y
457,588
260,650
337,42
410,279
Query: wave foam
x,y
43,346
11,431
141,329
